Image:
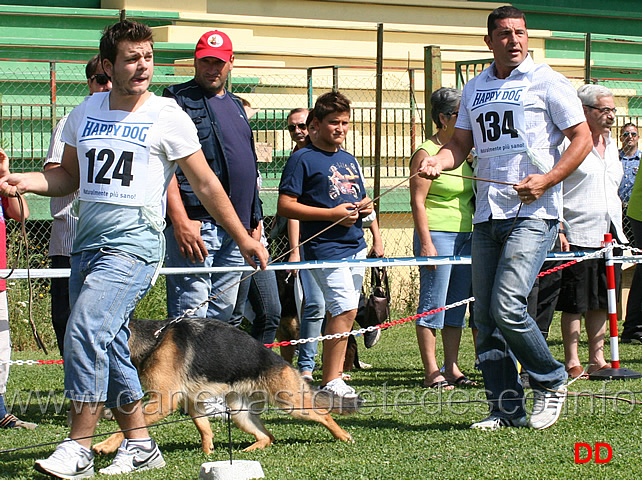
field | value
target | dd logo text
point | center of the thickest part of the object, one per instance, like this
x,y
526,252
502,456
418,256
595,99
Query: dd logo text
x,y
584,453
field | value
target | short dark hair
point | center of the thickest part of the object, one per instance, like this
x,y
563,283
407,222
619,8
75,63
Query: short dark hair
x,y
626,125
331,102
124,30
294,111
507,11
92,66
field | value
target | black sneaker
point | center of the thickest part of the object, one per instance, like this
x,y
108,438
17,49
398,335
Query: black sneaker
x,y
635,339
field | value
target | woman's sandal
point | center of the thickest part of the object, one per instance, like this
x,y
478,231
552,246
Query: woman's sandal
x,y
464,382
439,384
576,372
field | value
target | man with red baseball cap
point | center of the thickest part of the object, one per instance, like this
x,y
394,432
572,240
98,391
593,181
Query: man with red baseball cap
x,y
193,236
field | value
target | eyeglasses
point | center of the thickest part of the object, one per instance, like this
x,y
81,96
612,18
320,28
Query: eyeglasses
x,y
300,126
451,114
629,134
603,110
101,78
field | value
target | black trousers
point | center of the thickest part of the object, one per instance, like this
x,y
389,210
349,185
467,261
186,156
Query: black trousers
x,y
60,301
632,327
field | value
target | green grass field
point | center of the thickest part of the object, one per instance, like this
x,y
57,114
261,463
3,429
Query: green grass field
x,y
404,432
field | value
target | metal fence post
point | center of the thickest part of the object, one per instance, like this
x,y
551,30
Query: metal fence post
x,y
587,58
413,107
309,79
53,93
378,116
432,74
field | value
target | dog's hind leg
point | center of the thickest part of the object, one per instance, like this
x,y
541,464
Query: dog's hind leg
x,y
248,419
164,396
300,404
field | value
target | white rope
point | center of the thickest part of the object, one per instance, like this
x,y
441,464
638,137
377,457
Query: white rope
x,y
308,265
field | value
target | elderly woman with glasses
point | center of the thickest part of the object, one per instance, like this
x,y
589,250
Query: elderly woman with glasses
x,y
442,211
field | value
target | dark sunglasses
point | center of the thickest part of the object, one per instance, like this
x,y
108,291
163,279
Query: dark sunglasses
x,y
101,78
629,134
300,126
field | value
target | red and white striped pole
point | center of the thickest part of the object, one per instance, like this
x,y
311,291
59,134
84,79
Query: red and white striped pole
x,y
612,301
615,372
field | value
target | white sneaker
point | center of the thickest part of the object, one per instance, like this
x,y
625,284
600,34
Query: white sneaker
x,y
132,457
340,388
547,407
493,422
215,407
69,460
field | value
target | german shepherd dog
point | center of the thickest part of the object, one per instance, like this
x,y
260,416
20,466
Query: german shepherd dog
x,y
195,359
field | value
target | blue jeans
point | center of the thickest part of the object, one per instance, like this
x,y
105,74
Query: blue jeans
x,y
311,320
188,291
447,283
104,287
503,276
262,291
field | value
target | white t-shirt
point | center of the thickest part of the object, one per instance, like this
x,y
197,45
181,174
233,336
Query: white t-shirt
x,y
550,105
124,227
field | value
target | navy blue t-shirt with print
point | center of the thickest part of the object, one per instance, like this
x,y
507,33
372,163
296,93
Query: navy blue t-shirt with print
x,y
237,144
325,179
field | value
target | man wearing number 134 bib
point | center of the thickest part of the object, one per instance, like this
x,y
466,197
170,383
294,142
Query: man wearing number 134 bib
x,y
121,150
515,113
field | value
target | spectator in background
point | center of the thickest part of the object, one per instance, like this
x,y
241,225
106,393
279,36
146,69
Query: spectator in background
x,y
9,208
194,238
63,227
630,157
442,210
591,209
297,126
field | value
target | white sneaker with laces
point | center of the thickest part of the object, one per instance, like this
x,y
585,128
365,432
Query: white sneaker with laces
x,y
215,407
340,388
547,407
494,422
69,460
131,458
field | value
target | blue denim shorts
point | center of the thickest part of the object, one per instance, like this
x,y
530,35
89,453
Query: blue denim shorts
x,y
341,286
447,283
104,287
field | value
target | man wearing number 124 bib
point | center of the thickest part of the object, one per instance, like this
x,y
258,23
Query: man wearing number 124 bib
x,y
121,150
515,113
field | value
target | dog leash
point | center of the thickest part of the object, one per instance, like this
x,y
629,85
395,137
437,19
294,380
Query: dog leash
x,y
25,241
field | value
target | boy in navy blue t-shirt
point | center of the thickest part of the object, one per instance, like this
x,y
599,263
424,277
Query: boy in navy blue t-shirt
x,y
320,185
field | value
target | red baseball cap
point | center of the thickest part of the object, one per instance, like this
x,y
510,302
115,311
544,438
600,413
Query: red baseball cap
x,y
214,44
